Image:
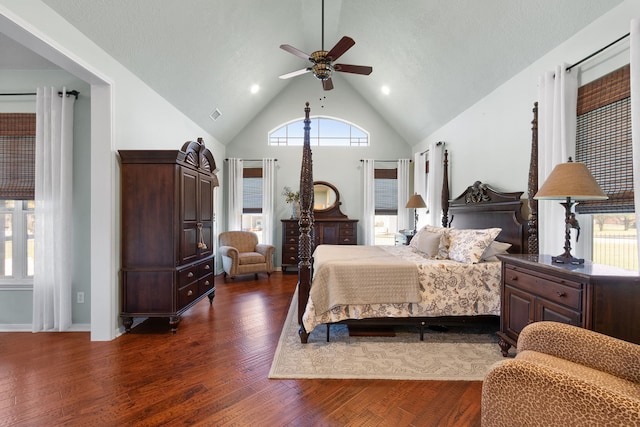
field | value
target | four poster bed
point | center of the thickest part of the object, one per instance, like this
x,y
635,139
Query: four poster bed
x,y
447,275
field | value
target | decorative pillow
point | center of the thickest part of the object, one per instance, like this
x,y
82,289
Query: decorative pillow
x,y
414,241
443,247
467,246
428,243
495,248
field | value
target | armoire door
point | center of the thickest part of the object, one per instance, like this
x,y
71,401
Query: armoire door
x,y
206,216
189,235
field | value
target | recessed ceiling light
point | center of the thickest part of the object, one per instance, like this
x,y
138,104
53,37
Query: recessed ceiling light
x,y
385,89
255,88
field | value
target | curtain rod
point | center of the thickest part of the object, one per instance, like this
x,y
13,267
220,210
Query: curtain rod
x,y
388,161
438,144
598,51
252,160
71,92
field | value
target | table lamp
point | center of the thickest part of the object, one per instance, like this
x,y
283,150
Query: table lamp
x,y
571,182
415,202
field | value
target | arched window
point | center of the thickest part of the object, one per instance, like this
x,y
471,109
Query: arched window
x,y
325,132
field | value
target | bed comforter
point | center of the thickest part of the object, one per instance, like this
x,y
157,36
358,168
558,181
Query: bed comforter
x,y
444,287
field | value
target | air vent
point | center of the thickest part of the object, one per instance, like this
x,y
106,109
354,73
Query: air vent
x,y
215,114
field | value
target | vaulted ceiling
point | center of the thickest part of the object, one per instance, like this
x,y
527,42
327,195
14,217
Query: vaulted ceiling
x,y
438,57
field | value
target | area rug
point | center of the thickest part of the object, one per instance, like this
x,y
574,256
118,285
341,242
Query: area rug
x,y
462,353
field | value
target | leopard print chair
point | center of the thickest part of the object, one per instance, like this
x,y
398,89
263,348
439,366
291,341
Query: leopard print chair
x,y
242,254
563,375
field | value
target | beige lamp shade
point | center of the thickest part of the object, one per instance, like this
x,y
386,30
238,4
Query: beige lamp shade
x,y
571,179
416,201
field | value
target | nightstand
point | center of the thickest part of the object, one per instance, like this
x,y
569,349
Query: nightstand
x,y
403,237
592,296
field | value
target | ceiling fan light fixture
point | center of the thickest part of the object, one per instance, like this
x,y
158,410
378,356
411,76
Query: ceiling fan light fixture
x,y
322,71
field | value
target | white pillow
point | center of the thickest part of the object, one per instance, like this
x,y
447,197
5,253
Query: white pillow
x,y
427,242
495,248
414,241
443,247
467,246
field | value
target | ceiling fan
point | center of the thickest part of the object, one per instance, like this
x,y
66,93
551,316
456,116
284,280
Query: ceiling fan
x,y
322,61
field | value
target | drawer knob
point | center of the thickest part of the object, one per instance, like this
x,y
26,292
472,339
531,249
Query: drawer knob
x,y
561,294
190,274
514,277
206,283
207,267
189,293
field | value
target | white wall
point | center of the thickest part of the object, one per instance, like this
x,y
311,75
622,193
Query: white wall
x,y
491,141
125,114
340,166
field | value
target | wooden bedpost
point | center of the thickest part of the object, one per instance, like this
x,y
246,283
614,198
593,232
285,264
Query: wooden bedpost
x,y
445,190
306,225
532,246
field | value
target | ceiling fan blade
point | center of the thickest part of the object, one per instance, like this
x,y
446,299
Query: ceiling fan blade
x,y
355,69
327,84
295,73
340,48
295,51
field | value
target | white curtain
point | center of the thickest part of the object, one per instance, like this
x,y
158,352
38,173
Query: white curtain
x,y
234,216
403,195
52,296
635,112
369,206
434,186
558,95
268,189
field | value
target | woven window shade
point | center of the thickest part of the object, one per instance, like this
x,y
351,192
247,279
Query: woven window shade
x,y
17,156
252,190
386,191
603,141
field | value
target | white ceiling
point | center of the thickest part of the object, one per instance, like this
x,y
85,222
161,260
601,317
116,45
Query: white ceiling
x,y
438,57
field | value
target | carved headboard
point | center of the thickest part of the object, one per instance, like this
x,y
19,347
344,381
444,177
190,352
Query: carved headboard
x,y
480,206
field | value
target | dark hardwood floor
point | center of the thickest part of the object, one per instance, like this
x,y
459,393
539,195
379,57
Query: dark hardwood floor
x,y
213,372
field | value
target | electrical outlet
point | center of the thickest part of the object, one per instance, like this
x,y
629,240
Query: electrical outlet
x,y
80,297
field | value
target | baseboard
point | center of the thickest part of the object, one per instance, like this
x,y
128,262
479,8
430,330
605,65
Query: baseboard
x,y
26,327
17,327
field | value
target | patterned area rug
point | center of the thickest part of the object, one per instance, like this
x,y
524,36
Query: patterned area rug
x,y
461,353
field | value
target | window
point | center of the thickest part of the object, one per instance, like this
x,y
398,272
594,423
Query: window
x,y
252,201
325,132
17,242
603,143
386,203
17,169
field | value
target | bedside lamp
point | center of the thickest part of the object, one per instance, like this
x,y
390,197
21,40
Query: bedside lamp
x,y
415,202
571,182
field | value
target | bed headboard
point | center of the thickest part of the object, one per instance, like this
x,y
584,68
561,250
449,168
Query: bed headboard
x,y
483,207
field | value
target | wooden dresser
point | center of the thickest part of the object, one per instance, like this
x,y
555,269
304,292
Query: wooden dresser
x,y
325,231
593,296
330,225
167,231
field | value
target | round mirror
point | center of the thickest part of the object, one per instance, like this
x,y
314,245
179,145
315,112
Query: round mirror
x,y
325,196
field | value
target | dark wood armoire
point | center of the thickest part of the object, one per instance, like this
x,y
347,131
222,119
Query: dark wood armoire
x,y
167,237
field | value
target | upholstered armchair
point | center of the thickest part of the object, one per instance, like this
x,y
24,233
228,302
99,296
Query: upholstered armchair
x,y
563,375
241,254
